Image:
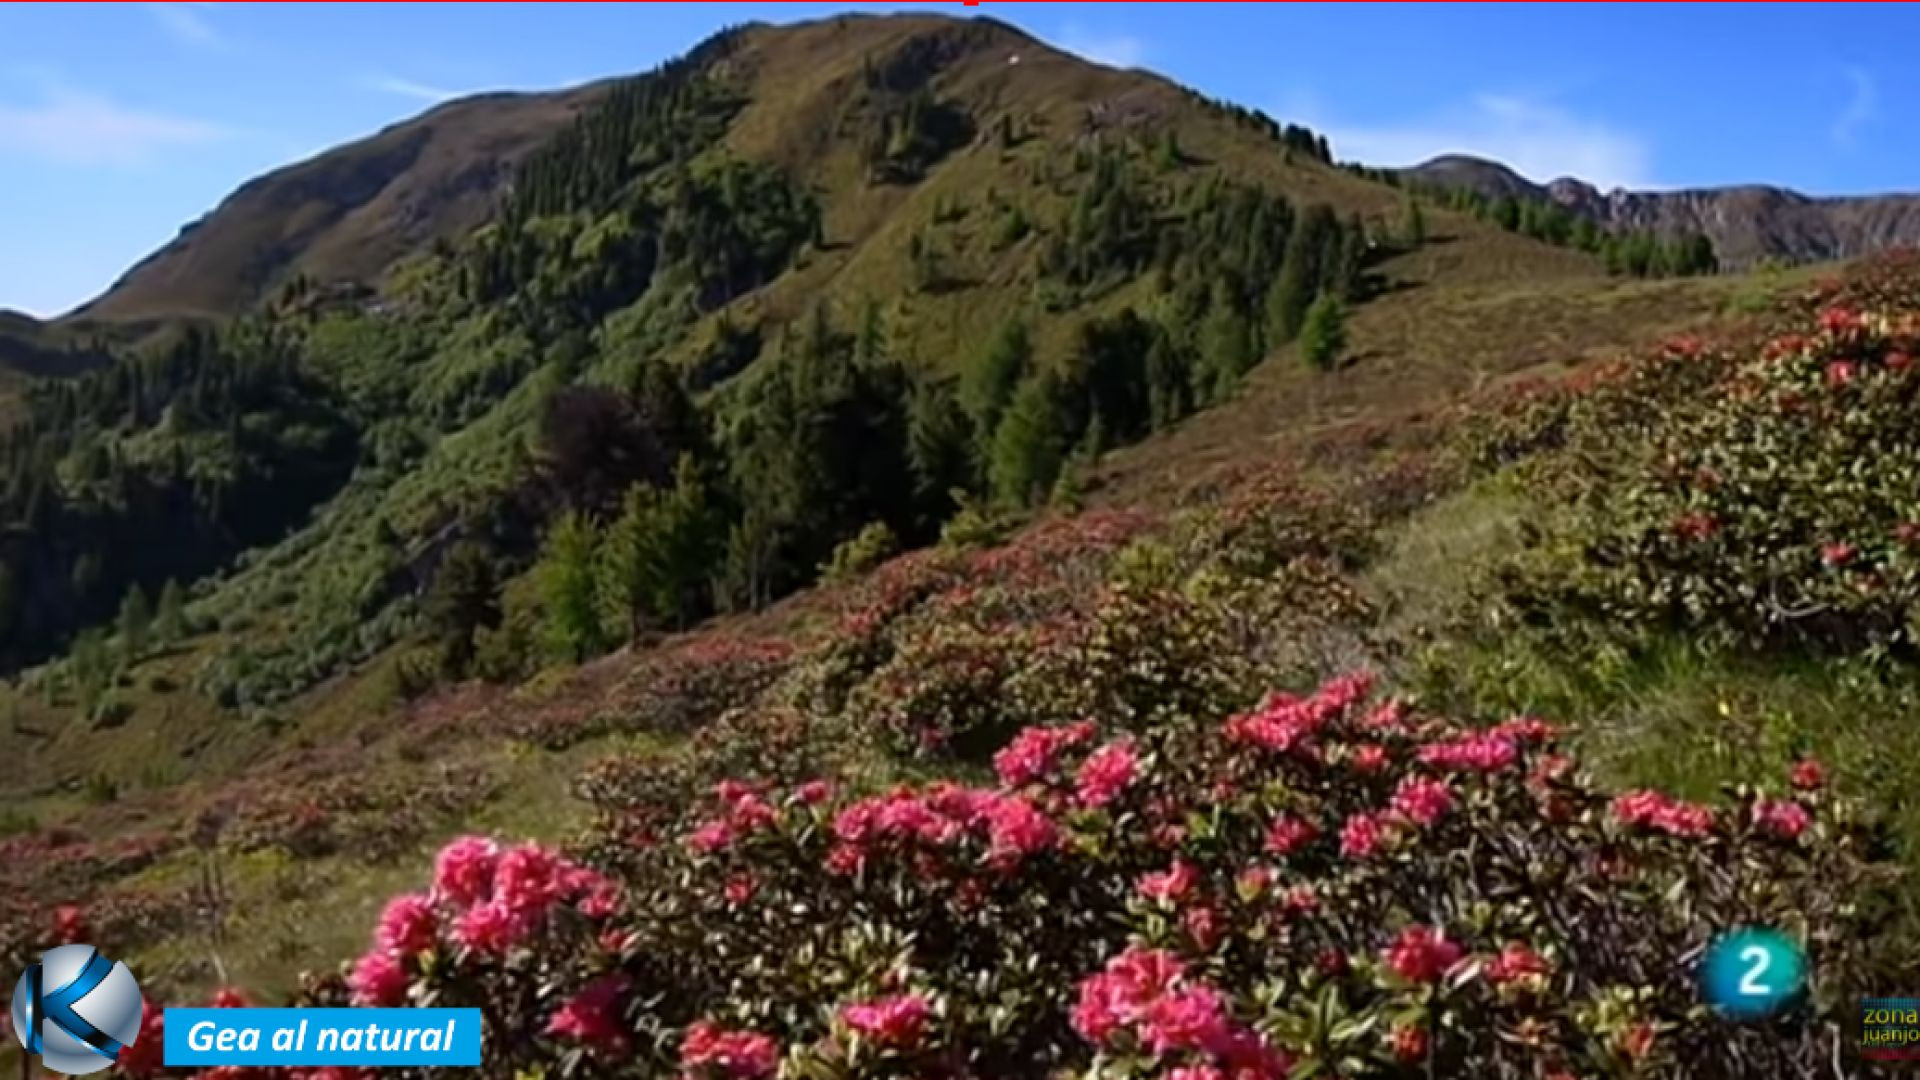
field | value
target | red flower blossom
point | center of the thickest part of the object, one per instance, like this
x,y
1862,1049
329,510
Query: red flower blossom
x,y
1839,320
1017,829
745,1055
490,929
408,925
1781,817
1838,553
1106,773
1331,962
1516,961
1193,1018
1368,758
530,878
1203,926
1637,1041
711,836
593,1017
1172,885
1289,834
814,792
1651,809
739,889
1410,1044
899,1021
144,1056
1421,954
1808,775
1698,525
1361,835
228,997
463,873
378,979
1481,752
1032,753
69,924
1253,881
1841,372
1423,801
1897,361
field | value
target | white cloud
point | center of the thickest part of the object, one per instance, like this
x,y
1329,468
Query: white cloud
x,y
1859,110
185,22
73,128
1539,140
433,95
1113,50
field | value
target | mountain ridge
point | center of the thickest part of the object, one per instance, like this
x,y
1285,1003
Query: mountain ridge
x,y
1746,222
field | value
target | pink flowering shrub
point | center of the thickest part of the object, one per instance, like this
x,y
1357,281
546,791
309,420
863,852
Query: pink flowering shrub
x,y
1758,491
1313,883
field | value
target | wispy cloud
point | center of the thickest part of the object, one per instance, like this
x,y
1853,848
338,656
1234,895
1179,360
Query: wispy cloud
x,y
430,94
1540,140
1862,104
1113,50
186,23
74,128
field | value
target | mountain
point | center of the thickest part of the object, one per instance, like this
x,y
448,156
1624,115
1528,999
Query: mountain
x,y
345,214
1746,222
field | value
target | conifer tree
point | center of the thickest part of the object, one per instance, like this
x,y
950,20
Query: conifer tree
x,y
565,575
170,624
1324,335
1031,443
136,620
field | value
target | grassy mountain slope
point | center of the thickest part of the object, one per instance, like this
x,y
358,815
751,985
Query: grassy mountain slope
x,y
345,214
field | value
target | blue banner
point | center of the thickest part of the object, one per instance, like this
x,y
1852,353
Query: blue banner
x,y
307,1037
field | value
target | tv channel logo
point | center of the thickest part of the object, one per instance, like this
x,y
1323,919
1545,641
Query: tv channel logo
x,y
76,1009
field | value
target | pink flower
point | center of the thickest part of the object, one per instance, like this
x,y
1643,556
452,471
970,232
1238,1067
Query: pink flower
x,y
593,1017
1516,961
602,901
1197,1072
1808,775
1526,729
899,1021
1781,817
814,792
144,1056
739,889
1421,954
1017,829
463,873
1651,809
745,1055
711,836
1289,834
490,929
1189,1019
69,924
529,879
228,997
1106,773
1368,758
408,925
1203,926
378,979
1253,881
1481,752
1171,885
1032,753
1838,553
1361,835
1410,1044
1423,801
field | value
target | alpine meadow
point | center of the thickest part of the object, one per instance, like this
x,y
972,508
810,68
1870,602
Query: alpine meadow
x,y
881,548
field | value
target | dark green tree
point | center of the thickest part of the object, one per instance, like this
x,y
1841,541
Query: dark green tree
x,y
136,622
463,600
1032,441
1324,336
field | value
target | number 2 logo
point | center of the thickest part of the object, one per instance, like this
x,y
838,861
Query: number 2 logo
x,y
1761,959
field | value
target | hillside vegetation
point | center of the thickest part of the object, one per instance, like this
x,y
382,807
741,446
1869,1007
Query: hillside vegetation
x,y
937,558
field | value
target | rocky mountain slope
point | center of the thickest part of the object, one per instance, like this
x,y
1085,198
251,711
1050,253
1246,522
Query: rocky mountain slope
x,y
1746,222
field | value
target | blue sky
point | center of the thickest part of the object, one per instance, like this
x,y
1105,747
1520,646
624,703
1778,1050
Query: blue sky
x,y
120,123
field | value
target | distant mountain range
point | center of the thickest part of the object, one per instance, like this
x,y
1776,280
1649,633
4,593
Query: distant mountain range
x,y
1746,222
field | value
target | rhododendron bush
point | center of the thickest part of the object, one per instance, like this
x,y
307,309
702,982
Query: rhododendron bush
x,y
1764,491
1334,883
